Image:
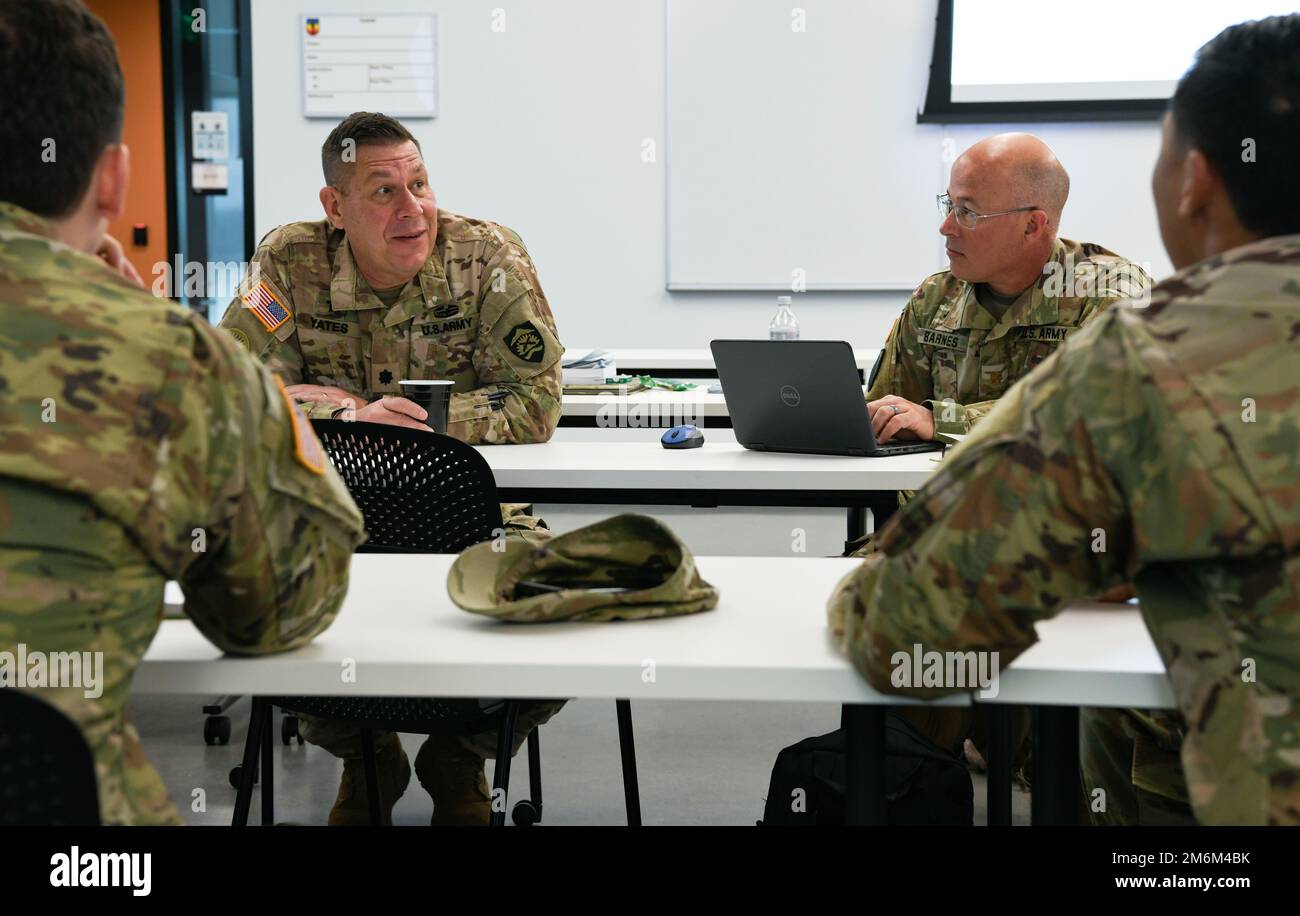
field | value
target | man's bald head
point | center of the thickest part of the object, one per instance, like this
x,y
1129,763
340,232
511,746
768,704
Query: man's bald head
x,y
1017,184
1019,170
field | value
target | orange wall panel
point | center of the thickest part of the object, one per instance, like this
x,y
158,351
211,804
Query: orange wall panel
x,y
136,26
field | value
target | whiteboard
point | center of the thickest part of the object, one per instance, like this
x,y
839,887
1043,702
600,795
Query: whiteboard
x,y
793,151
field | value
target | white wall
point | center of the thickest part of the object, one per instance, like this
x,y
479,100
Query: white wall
x,y
541,128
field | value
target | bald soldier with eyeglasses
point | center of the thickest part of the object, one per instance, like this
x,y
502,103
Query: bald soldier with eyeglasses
x,y
1013,292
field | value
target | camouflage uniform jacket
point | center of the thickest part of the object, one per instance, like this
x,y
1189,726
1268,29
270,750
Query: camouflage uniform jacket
x,y
475,314
138,444
1174,433
950,354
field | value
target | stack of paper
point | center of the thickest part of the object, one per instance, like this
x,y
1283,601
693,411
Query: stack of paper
x,y
592,369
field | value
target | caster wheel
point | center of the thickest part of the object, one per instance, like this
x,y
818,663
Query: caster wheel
x,y
216,730
236,774
525,814
289,730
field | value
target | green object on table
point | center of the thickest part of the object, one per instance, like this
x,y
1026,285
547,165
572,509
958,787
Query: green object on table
x,y
651,382
628,384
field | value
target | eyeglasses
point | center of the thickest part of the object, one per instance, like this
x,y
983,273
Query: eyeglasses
x,y
968,217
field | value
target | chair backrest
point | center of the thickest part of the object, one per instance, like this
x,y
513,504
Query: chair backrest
x,y
412,715
875,368
420,492
47,773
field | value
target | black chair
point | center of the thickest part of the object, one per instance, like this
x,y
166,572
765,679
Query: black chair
x,y
47,773
401,480
419,492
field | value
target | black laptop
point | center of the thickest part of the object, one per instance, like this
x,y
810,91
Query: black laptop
x,y
800,396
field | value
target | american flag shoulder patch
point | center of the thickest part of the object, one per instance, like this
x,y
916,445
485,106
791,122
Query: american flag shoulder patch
x,y
306,446
267,305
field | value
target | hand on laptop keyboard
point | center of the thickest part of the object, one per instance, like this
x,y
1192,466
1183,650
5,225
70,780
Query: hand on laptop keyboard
x,y
894,418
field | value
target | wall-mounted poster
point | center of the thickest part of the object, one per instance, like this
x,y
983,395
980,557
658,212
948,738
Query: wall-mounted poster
x,y
382,63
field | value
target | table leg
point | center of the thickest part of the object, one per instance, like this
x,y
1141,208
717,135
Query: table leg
x,y
864,788
882,506
998,754
1055,799
268,767
627,749
535,769
248,768
501,772
857,525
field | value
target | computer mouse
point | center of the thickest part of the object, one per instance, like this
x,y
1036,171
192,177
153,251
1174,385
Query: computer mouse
x,y
683,437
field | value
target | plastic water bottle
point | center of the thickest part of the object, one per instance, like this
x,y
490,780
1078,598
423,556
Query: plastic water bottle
x,y
784,326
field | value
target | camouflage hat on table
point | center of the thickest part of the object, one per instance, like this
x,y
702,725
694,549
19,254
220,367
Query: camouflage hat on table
x,y
623,568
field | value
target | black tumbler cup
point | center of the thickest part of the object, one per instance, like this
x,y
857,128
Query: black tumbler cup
x,y
434,396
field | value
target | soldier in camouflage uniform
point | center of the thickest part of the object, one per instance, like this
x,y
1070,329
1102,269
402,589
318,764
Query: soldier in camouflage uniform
x,y
1012,294
390,287
137,443
1175,431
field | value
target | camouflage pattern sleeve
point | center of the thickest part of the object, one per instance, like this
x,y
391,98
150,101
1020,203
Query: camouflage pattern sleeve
x,y
320,410
516,357
260,316
904,368
958,418
274,522
1004,533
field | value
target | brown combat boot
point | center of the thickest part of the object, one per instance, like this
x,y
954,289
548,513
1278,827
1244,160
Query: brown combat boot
x,y
351,808
453,775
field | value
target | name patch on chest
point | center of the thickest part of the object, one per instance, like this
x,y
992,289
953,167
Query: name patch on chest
x,y
325,324
945,339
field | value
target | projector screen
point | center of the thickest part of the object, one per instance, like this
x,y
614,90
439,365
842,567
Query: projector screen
x,y
1030,60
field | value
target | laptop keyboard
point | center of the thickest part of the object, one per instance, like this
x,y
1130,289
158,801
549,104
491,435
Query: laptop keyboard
x,y
908,449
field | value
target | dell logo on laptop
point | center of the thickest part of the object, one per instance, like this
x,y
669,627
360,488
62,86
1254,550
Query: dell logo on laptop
x,y
790,396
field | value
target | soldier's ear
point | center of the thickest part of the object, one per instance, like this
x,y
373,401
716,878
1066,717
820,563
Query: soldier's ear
x,y
1037,224
329,200
1197,184
112,174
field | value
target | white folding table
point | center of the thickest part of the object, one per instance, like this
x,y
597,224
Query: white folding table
x,y
684,362
719,473
766,641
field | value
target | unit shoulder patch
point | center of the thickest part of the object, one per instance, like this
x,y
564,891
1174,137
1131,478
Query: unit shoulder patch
x,y
526,342
306,447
